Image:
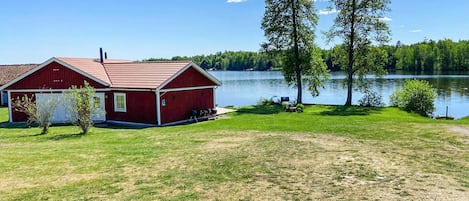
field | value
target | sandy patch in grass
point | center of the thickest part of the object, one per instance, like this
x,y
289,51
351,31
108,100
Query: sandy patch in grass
x,y
320,166
227,142
8,184
461,131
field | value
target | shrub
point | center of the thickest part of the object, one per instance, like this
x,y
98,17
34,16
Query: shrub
x,y
371,99
300,107
266,101
285,105
82,107
415,96
39,112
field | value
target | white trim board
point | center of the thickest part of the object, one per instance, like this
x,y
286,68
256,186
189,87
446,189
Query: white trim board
x,y
51,90
202,71
187,88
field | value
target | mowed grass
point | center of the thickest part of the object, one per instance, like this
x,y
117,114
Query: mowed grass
x,y
257,153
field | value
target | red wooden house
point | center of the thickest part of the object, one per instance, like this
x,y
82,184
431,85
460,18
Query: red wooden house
x,y
155,93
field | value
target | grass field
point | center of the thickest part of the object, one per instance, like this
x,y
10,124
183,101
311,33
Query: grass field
x,y
258,153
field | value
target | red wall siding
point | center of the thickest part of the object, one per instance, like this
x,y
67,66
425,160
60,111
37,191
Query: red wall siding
x,y
179,104
53,76
189,78
141,107
19,116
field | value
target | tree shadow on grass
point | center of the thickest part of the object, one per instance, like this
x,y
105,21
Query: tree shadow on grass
x,y
120,126
261,109
351,111
9,125
65,136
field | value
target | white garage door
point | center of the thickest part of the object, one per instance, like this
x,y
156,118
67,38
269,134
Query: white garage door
x,y
61,114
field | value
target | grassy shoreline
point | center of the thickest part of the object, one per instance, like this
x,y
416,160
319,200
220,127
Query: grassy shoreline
x,y
260,153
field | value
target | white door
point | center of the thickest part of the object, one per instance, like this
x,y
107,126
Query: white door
x,y
61,113
100,113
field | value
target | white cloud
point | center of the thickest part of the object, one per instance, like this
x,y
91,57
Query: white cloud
x,y
415,30
235,1
385,19
328,11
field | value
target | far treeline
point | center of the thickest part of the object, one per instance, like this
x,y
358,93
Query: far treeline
x,y
429,55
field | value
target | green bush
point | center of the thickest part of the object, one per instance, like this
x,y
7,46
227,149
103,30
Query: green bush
x,y
416,96
266,101
285,105
300,107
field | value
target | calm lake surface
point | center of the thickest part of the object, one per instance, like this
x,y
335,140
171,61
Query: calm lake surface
x,y
241,88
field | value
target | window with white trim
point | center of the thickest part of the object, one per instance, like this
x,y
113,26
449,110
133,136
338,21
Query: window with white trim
x,y
120,102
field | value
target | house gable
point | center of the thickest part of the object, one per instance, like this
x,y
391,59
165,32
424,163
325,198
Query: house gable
x,y
191,77
52,75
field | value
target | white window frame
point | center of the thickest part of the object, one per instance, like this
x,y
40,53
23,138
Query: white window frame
x,y
116,109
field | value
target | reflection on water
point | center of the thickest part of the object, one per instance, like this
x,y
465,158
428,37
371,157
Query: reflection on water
x,y
247,87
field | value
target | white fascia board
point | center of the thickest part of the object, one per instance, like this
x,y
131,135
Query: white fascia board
x,y
199,69
49,61
11,82
187,88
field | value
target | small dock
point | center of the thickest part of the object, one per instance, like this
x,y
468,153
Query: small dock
x,y
222,111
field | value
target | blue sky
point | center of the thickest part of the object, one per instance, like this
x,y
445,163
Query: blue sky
x,y
32,31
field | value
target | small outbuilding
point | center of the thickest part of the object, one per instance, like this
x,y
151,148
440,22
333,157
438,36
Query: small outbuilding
x,y
150,93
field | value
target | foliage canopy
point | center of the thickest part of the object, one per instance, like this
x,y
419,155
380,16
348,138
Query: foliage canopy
x,y
289,27
359,23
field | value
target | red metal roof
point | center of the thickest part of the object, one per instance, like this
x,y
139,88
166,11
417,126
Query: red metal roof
x,y
121,73
128,74
88,66
142,75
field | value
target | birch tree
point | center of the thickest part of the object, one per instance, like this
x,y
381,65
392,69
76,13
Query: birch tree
x,y
289,27
359,23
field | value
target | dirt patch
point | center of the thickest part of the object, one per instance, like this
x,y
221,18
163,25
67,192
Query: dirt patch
x,y
462,131
8,184
321,166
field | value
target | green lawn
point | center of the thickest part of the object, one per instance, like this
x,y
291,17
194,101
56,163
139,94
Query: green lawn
x,y
258,153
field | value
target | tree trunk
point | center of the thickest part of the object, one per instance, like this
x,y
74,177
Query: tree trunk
x,y
297,55
349,88
350,70
299,87
45,129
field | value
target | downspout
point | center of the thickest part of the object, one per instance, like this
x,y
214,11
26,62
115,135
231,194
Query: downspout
x,y
10,113
214,98
158,109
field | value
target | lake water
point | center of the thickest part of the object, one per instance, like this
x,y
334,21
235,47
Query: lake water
x,y
241,88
